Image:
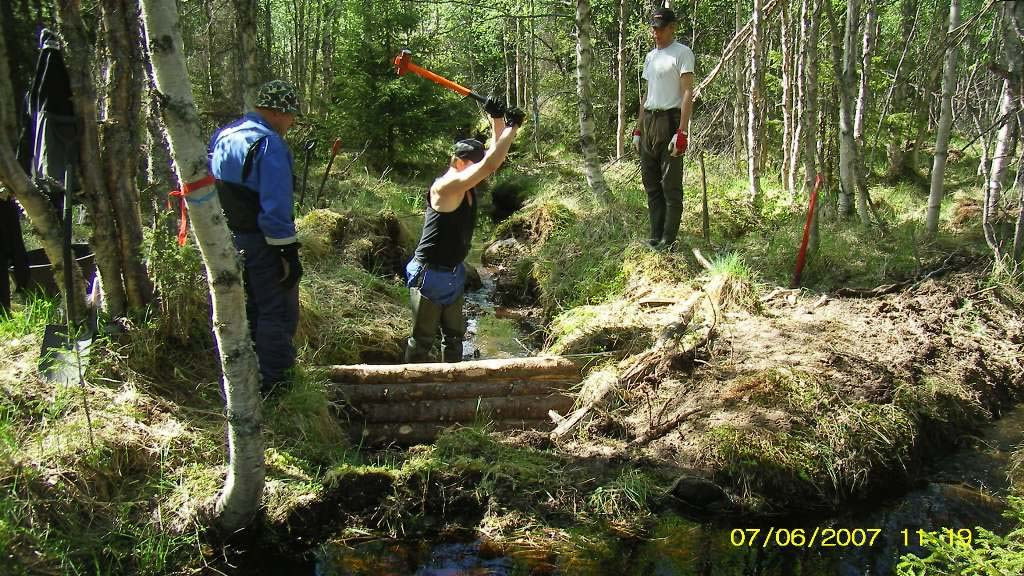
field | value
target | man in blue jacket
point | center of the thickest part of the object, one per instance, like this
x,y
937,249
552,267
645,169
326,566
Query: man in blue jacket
x,y
252,166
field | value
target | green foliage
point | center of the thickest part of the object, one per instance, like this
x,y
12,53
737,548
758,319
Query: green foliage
x,y
984,553
386,112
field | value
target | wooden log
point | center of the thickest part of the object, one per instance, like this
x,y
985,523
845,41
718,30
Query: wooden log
x,y
535,368
464,410
404,392
407,434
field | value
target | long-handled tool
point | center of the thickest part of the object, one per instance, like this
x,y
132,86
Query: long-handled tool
x,y
802,254
309,146
334,153
403,64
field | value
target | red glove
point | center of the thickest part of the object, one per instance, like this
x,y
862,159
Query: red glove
x,y
678,144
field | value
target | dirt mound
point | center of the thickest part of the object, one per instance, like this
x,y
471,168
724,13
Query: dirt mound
x,y
813,400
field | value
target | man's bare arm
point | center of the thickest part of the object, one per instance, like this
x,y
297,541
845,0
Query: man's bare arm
x,y
686,90
448,190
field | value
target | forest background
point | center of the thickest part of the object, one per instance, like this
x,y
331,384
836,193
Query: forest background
x,y
910,110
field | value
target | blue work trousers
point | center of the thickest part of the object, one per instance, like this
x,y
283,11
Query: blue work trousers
x,y
272,310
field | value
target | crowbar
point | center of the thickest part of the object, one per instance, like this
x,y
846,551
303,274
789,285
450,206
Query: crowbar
x,y
403,64
310,144
334,153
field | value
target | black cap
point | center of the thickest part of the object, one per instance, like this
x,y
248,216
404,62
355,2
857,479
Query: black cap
x,y
662,17
469,149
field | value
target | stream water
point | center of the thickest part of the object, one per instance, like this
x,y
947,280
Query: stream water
x,y
960,491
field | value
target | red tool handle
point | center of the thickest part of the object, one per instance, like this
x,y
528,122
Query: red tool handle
x,y
403,65
802,254
336,146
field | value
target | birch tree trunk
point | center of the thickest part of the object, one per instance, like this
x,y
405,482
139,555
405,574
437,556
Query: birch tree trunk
x,y
867,49
753,107
584,59
944,128
240,499
104,241
120,134
38,207
810,28
845,61
246,48
620,83
1006,144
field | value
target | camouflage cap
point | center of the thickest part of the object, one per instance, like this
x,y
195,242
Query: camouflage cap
x,y
278,95
469,149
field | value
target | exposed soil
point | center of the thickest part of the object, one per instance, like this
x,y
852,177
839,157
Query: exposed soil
x,y
950,336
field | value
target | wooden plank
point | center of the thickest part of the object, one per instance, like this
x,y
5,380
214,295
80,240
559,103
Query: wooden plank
x,y
404,392
551,367
406,434
463,410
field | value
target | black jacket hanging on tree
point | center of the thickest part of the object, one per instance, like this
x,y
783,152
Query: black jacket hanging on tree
x,y
54,136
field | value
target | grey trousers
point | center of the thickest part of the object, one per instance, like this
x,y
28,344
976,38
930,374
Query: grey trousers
x,y
427,318
661,173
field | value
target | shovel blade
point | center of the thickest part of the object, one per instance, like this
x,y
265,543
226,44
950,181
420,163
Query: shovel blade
x,y
63,360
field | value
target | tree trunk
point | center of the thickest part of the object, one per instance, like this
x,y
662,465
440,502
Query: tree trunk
x,y
810,109
753,107
620,84
897,150
739,138
465,410
945,126
120,138
584,58
845,61
863,93
551,368
421,391
786,41
246,48
534,82
41,212
243,488
1006,143
105,233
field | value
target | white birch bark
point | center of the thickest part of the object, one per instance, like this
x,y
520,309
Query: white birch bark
x,y
944,128
753,106
867,50
243,489
1006,144
584,61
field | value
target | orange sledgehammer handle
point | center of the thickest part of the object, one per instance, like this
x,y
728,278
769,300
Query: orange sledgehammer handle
x,y
802,254
403,64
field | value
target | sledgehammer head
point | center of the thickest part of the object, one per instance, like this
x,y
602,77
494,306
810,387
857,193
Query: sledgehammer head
x,y
402,62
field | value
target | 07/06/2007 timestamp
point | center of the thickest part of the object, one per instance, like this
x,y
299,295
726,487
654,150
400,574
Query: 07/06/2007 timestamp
x,y
829,537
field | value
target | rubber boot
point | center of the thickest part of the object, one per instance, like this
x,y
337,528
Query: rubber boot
x,y
673,214
656,211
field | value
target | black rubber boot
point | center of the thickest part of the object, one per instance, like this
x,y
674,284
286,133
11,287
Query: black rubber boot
x,y
673,215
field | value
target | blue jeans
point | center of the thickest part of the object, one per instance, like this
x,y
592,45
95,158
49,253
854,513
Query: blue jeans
x,y
436,298
272,310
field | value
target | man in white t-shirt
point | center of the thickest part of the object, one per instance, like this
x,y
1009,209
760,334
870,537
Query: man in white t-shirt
x,y
661,136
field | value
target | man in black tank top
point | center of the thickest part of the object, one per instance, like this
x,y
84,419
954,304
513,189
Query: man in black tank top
x,y
436,275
